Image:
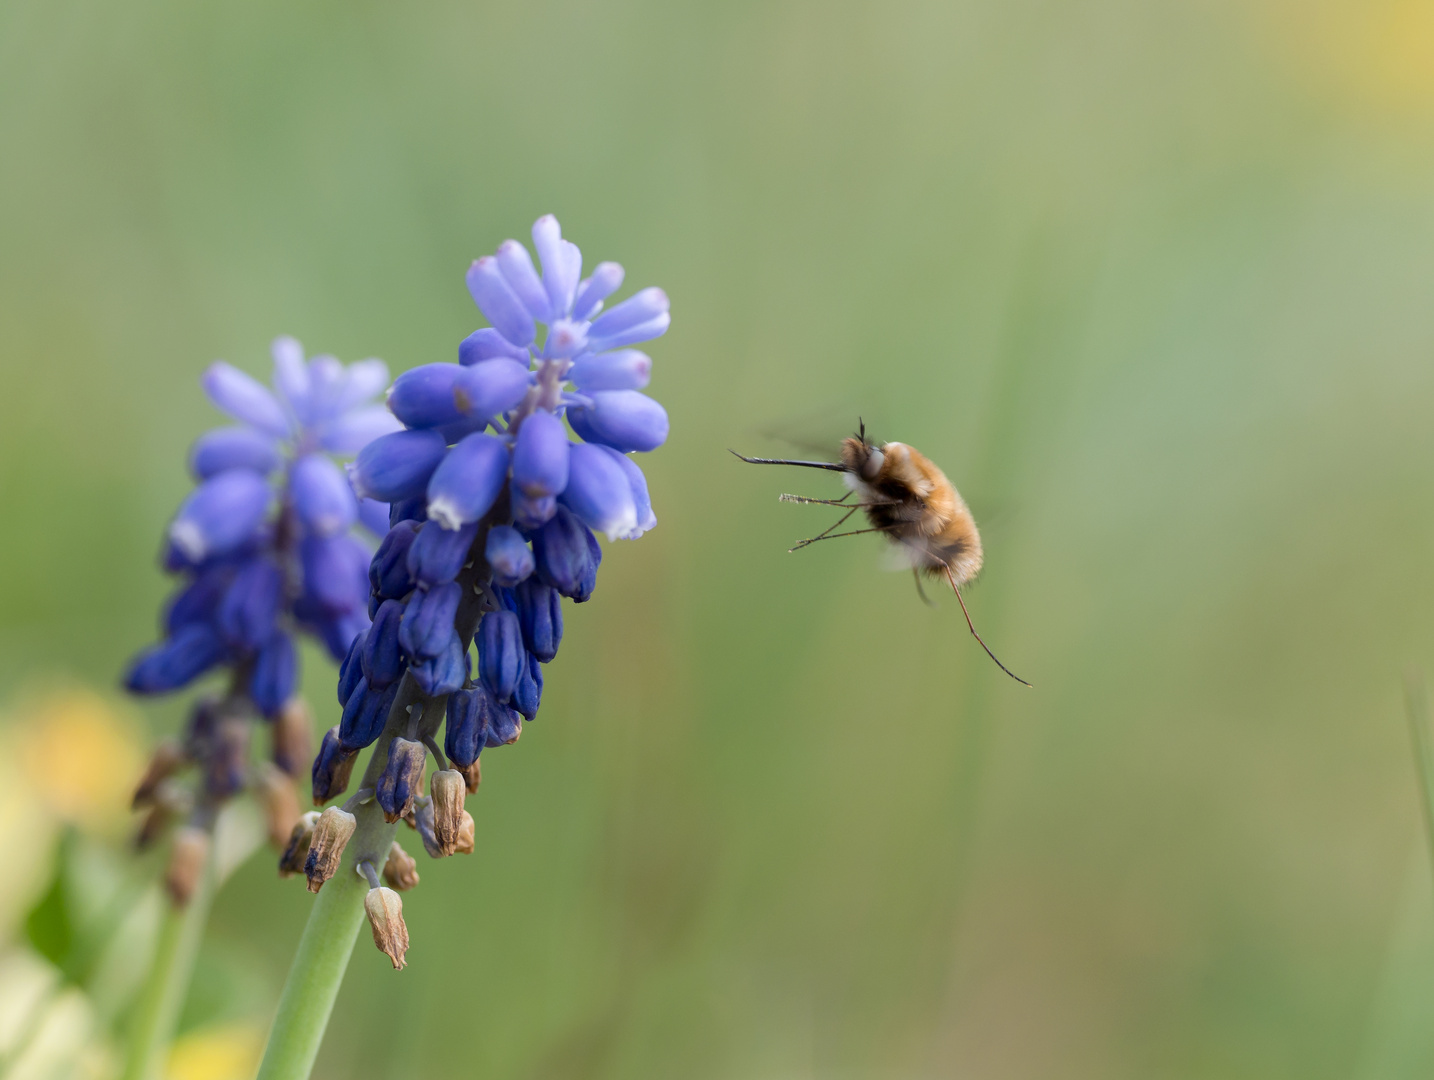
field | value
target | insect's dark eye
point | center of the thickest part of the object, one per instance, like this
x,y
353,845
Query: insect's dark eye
x,y
872,465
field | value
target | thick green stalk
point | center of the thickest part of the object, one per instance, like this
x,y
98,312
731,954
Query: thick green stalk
x,y
323,955
157,1013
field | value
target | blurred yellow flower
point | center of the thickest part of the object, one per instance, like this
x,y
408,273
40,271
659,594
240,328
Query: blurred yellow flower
x,y
80,755
226,1052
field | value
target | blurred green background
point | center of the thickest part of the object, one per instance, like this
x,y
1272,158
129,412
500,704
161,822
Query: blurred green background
x,y
1152,282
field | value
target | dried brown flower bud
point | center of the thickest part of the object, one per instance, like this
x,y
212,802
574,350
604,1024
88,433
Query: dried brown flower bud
x,y
402,778
186,863
227,764
464,845
280,801
400,871
153,826
447,789
331,834
472,774
294,737
384,909
297,851
167,759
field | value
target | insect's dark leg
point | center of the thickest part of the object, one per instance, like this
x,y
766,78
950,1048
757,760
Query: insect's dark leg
x,y
832,466
834,536
915,573
835,525
952,578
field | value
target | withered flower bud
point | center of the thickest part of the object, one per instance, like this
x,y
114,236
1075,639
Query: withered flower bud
x,y
384,909
332,767
153,826
472,774
400,871
447,789
228,760
186,863
464,845
402,778
331,834
297,851
168,758
294,737
281,803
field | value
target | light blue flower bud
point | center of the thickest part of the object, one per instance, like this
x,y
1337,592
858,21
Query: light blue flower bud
x,y
566,337
467,482
251,603
642,503
562,264
517,267
388,573
540,614
488,344
498,302
599,492
508,555
397,467
426,396
244,398
323,500
606,280
427,623
625,369
335,572
291,377
373,515
276,670
446,672
490,388
437,555
365,715
540,456
356,384
350,432
501,656
221,514
382,657
173,663
227,448
626,420
638,318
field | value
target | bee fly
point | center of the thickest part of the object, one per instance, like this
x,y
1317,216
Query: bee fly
x,y
909,500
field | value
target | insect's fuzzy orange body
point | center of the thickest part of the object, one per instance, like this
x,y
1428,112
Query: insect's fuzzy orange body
x,y
911,501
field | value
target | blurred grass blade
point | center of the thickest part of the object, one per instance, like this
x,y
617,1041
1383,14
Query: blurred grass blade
x,y
1416,696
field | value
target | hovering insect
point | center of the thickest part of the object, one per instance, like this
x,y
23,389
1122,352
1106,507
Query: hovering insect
x,y
909,500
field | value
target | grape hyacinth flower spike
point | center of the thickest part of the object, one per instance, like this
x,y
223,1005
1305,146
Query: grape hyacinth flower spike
x,y
494,506
267,547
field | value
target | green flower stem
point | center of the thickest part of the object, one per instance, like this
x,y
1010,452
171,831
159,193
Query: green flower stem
x,y
157,1013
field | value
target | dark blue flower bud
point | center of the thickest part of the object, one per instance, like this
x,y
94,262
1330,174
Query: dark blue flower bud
x,y
488,344
506,727
438,554
251,603
626,369
468,481
373,516
446,672
530,513
498,303
501,656
337,632
540,456
626,420
351,670
365,715
540,613
589,582
221,514
171,664
599,492
508,555
335,572
414,509
423,397
388,574
323,500
470,713
402,778
530,687
244,398
199,600
382,658
228,448
276,670
562,553
428,620
332,768
492,387
397,467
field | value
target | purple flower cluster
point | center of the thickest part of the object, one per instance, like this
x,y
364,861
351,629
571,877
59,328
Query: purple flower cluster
x,y
493,511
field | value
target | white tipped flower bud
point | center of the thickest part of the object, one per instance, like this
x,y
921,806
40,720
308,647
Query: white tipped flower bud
x,y
331,835
186,863
400,871
447,789
384,909
297,851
